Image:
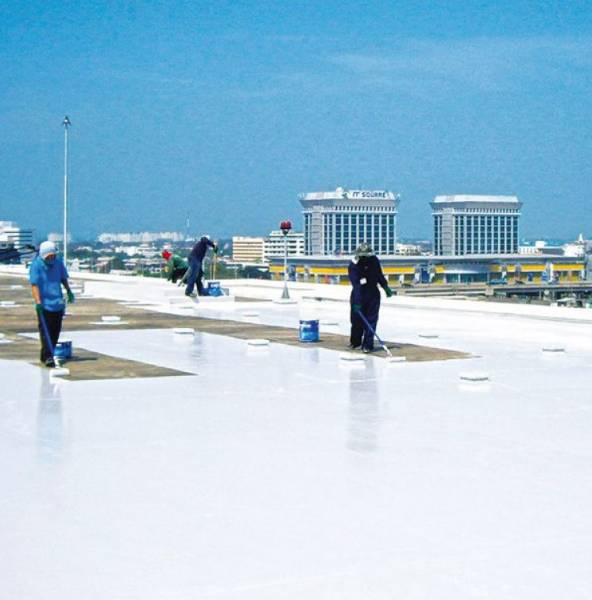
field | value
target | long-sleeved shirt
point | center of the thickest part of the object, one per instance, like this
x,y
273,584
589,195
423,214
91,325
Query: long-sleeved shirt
x,y
199,250
175,262
365,274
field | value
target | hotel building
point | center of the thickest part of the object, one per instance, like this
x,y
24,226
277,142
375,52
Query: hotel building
x,y
467,225
338,222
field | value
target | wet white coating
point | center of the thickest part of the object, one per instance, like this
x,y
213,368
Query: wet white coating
x,y
281,473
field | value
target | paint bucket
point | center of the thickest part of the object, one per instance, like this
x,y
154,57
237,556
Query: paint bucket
x,y
214,288
309,330
63,349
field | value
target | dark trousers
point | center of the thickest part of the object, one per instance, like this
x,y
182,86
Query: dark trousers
x,y
53,320
194,278
360,334
178,274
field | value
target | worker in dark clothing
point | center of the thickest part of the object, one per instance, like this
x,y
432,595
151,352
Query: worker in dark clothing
x,y
365,275
195,259
175,268
47,275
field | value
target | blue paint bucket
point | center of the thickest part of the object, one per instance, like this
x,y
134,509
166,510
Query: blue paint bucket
x,y
309,330
63,349
214,288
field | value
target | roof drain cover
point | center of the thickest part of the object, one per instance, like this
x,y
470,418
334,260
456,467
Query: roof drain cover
x,y
258,343
474,376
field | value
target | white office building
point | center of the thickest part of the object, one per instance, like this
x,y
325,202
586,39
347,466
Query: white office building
x,y
338,222
12,235
274,244
246,249
465,225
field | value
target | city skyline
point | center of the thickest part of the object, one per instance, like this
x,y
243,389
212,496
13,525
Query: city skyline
x,y
226,113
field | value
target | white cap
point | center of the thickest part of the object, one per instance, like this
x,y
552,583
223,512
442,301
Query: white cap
x,y
47,248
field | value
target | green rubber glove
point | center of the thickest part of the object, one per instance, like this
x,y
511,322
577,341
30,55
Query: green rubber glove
x,y
70,296
357,307
388,292
39,309
216,249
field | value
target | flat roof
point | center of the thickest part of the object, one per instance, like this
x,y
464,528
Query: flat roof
x,y
345,194
485,199
287,472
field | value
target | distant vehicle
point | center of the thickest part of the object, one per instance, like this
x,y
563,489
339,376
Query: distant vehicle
x,y
498,282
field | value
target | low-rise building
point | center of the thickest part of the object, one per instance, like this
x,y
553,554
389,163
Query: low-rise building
x,y
247,249
274,244
144,237
435,270
13,235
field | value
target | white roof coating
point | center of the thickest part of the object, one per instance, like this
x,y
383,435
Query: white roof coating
x,y
476,198
284,473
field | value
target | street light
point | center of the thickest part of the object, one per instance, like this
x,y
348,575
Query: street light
x,y
66,123
286,227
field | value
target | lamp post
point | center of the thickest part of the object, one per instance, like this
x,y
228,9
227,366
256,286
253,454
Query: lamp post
x,y
286,227
66,123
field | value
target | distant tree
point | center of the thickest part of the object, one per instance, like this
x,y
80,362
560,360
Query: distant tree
x,y
117,263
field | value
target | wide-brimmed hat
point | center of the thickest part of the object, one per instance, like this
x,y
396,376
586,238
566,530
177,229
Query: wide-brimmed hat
x,y
364,250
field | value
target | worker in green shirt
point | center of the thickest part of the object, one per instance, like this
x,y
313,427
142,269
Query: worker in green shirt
x,y
176,267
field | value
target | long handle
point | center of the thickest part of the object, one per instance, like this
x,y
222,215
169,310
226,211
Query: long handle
x,y
46,332
383,345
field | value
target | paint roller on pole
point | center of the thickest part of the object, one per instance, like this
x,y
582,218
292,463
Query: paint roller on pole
x,y
390,356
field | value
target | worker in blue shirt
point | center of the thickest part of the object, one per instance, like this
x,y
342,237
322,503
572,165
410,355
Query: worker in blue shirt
x,y
195,259
47,275
365,275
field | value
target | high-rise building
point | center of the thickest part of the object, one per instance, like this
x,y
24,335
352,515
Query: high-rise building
x,y
465,225
274,244
338,222
11,234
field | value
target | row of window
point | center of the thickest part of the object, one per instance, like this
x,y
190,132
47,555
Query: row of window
x,y
345,232
488,211
367,209
478,235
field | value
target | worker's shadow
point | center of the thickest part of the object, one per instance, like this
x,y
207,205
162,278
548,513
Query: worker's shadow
x,y
50,421
364,410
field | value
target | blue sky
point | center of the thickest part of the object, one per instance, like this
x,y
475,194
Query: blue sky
x,y
226,111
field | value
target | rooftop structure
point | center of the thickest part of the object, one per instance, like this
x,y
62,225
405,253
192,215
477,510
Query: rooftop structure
x,y
337,222
222,470
468,225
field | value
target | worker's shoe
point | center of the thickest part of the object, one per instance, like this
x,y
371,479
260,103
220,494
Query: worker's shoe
x,y
50,363
354,347
191,295
367,350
